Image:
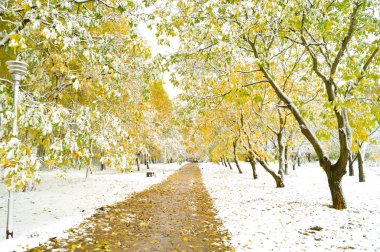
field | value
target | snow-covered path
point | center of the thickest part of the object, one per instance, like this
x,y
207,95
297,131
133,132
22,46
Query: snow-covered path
x,y
175,215
59,204
261,217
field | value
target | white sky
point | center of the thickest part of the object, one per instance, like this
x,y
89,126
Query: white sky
x,y
150,38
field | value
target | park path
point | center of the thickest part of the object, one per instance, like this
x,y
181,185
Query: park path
x,y
175,215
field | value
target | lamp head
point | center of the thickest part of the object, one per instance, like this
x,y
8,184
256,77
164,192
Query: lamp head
x,y
17,69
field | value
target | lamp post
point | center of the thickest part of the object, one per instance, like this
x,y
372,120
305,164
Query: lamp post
x,y
17,69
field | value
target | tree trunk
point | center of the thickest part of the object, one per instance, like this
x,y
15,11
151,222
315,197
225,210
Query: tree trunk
x,y
229,164
294,161
253,165
235,158
335,174
361,168
308,157
361,157
278,179
147,162
299,161
41,151
138,162
286,160
86,173
225,162
102,166
281,154
237,165
351,165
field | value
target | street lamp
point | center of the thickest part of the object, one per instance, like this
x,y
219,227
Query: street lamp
x,y
17,69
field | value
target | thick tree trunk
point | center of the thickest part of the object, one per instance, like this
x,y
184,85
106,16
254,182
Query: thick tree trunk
x,y
253,165
361,167
335,174
286,160
229,164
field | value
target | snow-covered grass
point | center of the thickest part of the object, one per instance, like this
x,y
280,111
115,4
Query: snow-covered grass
x,y
59,204
261,217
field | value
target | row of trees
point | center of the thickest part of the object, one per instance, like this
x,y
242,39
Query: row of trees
x,y
263,77
290,73
93,91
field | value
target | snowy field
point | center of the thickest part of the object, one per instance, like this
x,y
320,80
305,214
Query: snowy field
x,y
261,217
61,203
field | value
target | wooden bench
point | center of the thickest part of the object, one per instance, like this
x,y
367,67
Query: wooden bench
x,y
150,174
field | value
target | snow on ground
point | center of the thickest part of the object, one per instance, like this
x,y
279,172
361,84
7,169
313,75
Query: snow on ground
x,y
261,217
59,204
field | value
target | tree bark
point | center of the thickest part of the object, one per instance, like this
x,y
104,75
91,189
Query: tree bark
x,y
278,179
361,168
294,161
299,161
224,162
335,174
237,165
147,164
281,154
229,164
253,165
308,157
87,170
350,165
235,158
138,162
286,160
349,142
102,165
361,157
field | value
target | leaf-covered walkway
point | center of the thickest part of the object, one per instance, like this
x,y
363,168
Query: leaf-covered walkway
x,y
175,215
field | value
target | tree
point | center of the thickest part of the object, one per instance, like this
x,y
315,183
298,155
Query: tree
x,y
322,47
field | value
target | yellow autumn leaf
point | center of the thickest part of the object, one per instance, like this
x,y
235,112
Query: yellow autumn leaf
x,y
51,163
